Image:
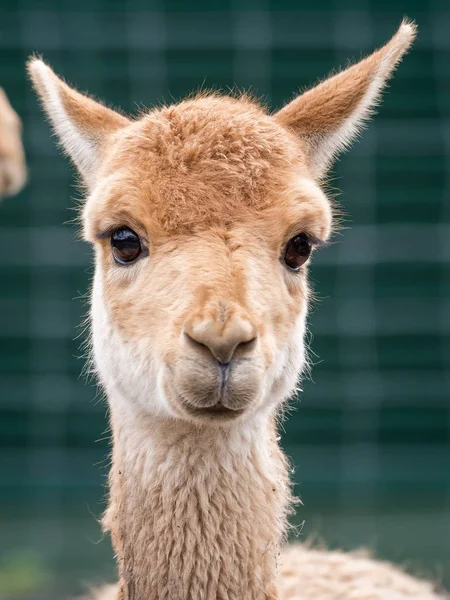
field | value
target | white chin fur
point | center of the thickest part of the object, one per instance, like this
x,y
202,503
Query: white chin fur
x,y
132,377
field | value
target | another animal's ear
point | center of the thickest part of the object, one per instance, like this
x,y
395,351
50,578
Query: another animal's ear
x,y
81,124
329,116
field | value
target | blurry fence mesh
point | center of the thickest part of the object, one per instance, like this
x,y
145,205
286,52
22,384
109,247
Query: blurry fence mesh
x,y
370,438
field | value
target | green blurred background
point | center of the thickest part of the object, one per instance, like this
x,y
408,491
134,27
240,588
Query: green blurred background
x,y
370,439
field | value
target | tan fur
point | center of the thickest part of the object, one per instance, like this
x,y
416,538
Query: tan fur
x,y
12,157
308,574
331,114
167,526
214,187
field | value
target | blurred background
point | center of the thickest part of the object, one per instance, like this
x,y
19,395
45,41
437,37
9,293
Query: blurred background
x,y
370,439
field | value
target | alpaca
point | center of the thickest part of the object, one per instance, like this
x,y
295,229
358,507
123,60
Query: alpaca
x,y
203,216
12,157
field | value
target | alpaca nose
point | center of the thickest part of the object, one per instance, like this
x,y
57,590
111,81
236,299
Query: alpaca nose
x,y
223,340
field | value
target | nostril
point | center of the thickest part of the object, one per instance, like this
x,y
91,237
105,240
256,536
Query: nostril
x,y
247,345
195,342
223,345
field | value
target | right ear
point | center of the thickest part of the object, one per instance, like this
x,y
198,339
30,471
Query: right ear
x,y
81,124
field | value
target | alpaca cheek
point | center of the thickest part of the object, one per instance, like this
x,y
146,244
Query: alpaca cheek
x,y
127,368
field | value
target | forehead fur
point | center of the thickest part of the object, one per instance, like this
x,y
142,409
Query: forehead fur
x,y
204,161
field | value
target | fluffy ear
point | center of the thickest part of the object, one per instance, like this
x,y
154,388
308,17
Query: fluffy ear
x,y
330,115
81,124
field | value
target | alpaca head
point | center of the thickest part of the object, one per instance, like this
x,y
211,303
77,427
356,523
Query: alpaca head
x,y
203,216
13,171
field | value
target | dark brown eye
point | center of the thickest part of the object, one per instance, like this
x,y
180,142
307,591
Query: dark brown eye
x,y
297,251
126,245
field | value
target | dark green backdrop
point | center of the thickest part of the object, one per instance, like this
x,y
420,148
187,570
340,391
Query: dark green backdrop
x,y
370,439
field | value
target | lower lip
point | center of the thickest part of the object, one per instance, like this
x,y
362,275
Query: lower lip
x,y
217,411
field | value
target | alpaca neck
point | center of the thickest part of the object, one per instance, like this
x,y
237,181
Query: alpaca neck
x,y
196,512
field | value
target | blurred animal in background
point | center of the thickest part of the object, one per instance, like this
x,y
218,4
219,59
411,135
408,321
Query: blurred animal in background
x,y
13,171
204,216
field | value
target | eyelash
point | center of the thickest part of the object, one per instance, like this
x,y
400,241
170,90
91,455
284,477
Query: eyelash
x,y
312,239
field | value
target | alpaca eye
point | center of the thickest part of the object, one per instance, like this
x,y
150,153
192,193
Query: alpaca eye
x,y
126,246
297,251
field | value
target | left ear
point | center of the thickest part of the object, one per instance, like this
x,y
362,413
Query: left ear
x,y
329,116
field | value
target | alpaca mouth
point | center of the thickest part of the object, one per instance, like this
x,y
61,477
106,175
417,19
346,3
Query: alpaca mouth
x,y
220,392
219,410
216,412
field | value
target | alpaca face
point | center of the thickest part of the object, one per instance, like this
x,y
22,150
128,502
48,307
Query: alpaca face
x,y
203,216
192,218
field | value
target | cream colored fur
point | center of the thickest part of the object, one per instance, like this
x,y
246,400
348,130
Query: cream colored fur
x,y
12,157
214,187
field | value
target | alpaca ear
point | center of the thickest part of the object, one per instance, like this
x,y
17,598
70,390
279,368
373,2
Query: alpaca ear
x,y
329,116
81,124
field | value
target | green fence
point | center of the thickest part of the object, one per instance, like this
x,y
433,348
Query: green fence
x,y
371,437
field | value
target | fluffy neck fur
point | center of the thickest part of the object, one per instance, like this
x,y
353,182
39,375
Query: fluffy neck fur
x,y
196,512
